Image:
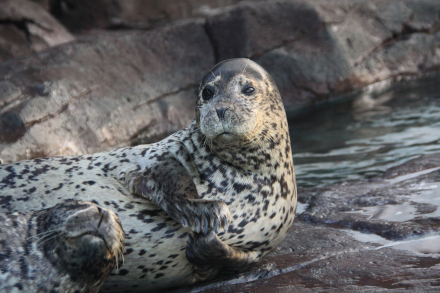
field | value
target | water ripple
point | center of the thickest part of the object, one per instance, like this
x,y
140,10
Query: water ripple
x,y
341,142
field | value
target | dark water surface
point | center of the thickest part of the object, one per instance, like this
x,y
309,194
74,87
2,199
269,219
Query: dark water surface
x,y
364,135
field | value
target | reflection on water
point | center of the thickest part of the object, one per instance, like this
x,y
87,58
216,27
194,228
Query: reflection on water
x,y
408,176
427,244
426,193
300,208
364,136
397,213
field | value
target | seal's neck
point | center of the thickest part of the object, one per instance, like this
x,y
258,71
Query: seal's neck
x,y
260,154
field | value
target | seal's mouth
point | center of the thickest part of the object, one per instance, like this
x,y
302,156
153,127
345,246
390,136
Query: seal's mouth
x,y
103,245
226,138
225,134
94,234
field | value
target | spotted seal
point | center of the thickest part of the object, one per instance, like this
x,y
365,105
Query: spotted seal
x,y
71,247
228,178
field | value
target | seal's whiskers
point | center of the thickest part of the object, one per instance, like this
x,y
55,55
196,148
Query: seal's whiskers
x,y
46,239
55,229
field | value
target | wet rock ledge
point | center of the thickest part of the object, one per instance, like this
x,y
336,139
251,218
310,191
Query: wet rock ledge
x,y
380,235
118,85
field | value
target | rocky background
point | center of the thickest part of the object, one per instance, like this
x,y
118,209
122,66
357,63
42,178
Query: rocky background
x,y
80,76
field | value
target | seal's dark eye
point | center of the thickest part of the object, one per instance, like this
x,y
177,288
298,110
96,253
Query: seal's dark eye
x,y
249,90
207,94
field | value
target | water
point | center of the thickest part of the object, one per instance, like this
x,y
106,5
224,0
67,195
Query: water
x,y
427,244
424,193
365,135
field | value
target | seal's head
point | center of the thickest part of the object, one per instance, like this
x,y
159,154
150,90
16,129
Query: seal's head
x,y
236,99
81,239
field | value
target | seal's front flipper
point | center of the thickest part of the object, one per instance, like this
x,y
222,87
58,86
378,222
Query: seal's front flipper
x,y
211,256
169,186
200,215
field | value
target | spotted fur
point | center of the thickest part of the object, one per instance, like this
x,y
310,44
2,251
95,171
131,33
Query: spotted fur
x,y
71,247
231,169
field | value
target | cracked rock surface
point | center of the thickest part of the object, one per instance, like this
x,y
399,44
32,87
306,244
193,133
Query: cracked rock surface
x,y
25,27
109,89
128,14
316,49
94,95
351,237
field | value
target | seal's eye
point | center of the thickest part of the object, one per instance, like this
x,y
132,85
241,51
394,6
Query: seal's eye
x,y
207,94
249,90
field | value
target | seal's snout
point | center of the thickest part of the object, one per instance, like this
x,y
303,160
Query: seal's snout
x,y
104,216
221,113
91,228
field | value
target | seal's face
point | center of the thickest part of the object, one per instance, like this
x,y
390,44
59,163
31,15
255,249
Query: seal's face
x,y
230,101
81,238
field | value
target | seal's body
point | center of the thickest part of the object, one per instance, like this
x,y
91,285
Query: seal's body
x,y
71,247
230,169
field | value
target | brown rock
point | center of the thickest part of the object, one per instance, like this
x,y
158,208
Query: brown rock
x,y
315,50
319,49
26,27
100,94
83,15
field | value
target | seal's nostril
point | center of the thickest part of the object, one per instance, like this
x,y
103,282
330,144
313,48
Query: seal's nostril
x,y
100,221
221,113
99,210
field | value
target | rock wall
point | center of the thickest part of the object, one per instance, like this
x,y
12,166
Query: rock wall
x,y
26,27
94,95
316,49
110,88
83,15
